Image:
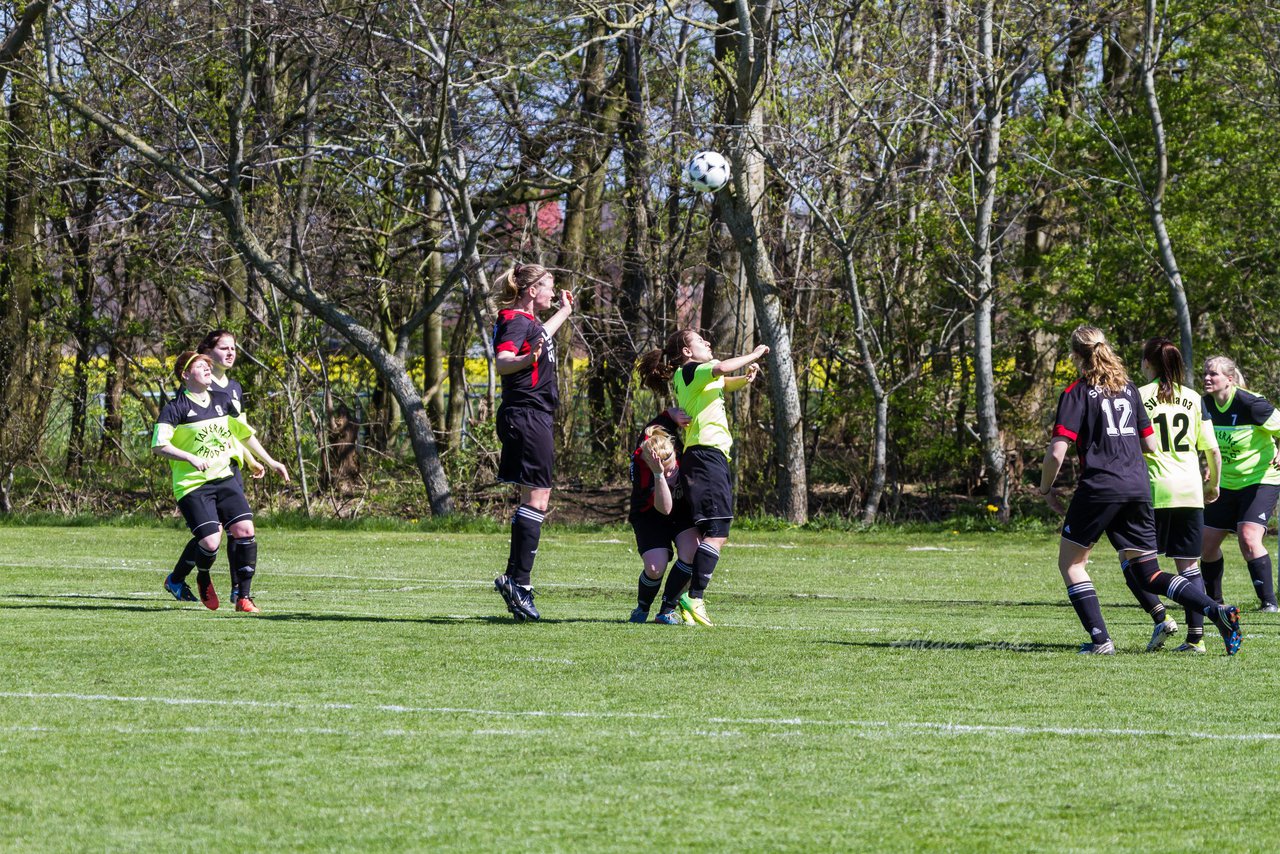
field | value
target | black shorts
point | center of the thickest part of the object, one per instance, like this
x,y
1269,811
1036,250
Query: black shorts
x,y
1128,524
528,446
218,502
1253,504
1179,531
655,531
708,486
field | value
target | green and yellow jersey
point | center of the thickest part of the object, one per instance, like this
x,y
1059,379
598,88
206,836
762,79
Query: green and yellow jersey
x,y
700,393
1182,430
204,426
1246,427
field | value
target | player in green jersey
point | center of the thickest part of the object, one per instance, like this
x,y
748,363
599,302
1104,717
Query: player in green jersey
x,y
220,346
1179,491
687,368
1246,426
199,437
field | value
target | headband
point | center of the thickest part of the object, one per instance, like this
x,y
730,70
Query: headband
x,y
194,356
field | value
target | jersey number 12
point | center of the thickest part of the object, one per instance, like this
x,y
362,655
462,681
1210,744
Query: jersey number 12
x,y
1181,426
1123,413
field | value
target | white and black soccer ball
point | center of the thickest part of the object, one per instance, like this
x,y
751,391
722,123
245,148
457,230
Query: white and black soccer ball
x,y
708,171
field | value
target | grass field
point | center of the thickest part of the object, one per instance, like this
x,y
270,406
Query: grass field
x,y
876,691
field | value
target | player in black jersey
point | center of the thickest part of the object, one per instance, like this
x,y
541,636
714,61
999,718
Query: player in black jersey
x,y
660,514
242,548
526,360
1101,413
1246,427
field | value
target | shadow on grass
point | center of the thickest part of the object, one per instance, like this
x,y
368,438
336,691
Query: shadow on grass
x,y
103,603
929,645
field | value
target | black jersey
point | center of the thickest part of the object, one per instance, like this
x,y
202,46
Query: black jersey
x,y
642,482
1107,429
518,332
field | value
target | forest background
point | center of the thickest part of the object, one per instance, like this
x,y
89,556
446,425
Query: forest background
x,y
927,197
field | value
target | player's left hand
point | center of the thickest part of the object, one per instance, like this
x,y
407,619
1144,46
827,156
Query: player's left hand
x,y
278,468
753,371
256,469
1210,494
679,416
1055,503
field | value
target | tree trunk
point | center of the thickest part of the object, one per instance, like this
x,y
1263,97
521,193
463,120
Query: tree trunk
x,y
983,288
742,205
1155,200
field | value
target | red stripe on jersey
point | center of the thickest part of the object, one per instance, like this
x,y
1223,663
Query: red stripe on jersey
x,y
507,347
1074,383
1059,430
1148,431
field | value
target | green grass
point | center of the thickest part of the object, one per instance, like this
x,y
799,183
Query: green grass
x,y
875,691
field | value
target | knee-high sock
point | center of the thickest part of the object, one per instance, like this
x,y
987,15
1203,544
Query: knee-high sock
x,y
194,556
677,579
243,552
526,530
1195,619
1211,571
1149,602
1175,587
647,590
1263,585
704,563
1085,600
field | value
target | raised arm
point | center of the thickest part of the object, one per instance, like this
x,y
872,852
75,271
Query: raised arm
x,y
737,363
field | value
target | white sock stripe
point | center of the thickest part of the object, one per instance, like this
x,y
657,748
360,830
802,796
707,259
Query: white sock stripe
x,y
649,582
1082,587
707,547
1193,572
1176,585
529,513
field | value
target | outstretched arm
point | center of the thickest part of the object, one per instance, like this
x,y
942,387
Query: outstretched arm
x,y
737,363
260,452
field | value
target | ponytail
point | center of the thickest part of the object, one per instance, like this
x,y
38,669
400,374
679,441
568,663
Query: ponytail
x,y
1166,360
657,367
1099,364
508,286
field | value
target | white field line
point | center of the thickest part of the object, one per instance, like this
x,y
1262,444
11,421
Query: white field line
x,y
886,727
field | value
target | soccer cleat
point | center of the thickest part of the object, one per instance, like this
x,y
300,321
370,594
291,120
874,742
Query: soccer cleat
x,y
1268,608
685,617
208,595
668,618
639,615
507,590
180,590
1107,648
1227,619
1197,647
524,602
245,606
694,611
1161,633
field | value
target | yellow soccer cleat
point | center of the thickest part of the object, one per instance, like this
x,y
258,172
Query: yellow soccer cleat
x,y
694,611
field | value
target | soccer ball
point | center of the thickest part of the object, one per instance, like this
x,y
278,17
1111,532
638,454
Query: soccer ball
x,y
708,171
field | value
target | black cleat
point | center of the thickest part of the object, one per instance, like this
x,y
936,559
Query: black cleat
x,y
507,589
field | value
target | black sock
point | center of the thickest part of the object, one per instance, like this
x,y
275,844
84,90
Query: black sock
x,y
187,562
1148,601
1195,619
1085,600
1263,585
1212,573
244,557
677,579
526,530
647,591
704,563
1175,587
